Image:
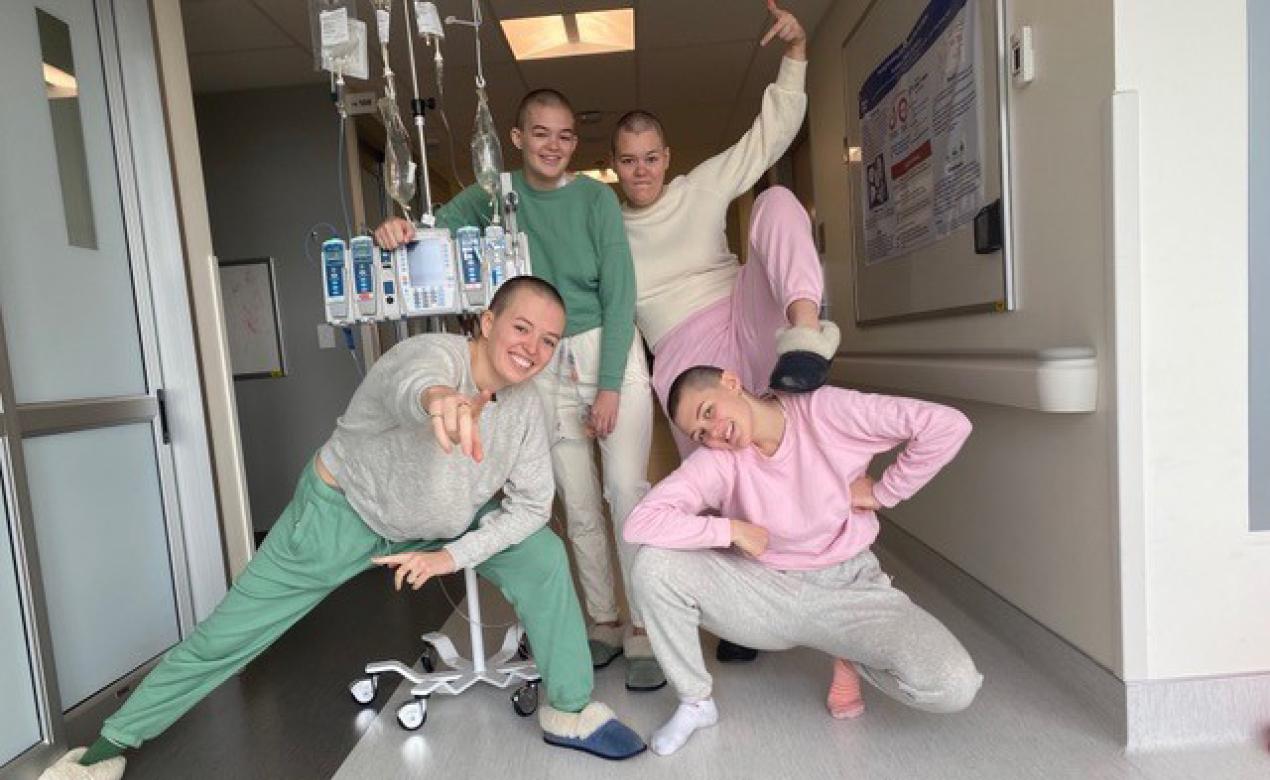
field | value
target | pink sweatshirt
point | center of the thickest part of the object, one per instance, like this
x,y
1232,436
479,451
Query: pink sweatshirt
x,y
802,493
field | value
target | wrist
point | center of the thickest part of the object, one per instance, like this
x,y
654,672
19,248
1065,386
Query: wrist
x,y
435,393
797,51
886,498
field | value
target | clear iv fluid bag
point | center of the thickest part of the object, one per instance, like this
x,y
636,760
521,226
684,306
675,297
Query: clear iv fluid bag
x,y
487,153
399,166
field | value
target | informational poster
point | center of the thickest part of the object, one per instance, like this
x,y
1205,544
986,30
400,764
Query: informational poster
x,y
921,145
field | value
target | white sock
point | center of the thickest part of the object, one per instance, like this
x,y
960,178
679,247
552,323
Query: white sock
x,y
689,716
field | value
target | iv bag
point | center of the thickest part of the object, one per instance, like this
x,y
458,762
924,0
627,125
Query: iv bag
x,y
383,19
399,166
487,153
428,19
332,29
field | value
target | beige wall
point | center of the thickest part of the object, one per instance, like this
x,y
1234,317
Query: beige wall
x,y
1202,608
269,181
1029,508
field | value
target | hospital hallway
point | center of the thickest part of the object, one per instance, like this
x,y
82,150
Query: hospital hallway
x,y
292,291
290,715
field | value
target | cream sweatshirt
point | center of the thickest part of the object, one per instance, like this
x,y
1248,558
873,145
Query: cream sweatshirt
x,y
682,260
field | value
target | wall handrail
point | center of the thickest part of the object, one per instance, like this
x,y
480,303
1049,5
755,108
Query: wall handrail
x,y
1060,380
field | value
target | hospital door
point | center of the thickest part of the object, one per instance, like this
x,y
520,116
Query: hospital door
x,y
92,569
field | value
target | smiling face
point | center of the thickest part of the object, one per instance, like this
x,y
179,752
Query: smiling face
x,y
716,416
518,342
547,140
640,160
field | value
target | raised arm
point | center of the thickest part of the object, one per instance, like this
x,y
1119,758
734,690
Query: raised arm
x,y
735,170
931,433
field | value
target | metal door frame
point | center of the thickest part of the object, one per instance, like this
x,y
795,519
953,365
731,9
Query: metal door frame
x,y
172,404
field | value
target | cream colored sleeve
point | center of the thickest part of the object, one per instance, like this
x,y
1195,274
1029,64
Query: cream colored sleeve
x,y
735,170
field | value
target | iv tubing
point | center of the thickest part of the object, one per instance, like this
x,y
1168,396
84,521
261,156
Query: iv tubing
x,y
475,23
417,105
340,162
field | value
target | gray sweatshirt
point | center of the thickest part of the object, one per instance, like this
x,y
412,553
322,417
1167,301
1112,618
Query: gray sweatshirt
x,y
404,486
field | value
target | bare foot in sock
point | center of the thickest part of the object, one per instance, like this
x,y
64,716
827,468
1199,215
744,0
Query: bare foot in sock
x,y
689,716
844,692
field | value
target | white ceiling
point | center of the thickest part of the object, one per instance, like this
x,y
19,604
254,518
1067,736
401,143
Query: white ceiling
x,y
696,64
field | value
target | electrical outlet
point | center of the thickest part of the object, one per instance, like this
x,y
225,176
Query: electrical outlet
x,y
326,336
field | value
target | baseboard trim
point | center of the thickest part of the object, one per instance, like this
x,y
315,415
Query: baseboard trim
x,y
1141,716
1094,685
1168,714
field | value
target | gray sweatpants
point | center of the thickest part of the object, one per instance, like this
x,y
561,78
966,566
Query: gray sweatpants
x,y
849,611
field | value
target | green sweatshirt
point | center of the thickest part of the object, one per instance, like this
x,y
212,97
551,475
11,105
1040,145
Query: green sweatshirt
x,y
578,243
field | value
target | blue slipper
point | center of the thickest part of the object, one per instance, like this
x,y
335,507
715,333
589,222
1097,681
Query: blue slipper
x,y
805,357
595,730
799,372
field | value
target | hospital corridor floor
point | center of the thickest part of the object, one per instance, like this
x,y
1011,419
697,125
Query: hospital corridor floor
x,y
289,715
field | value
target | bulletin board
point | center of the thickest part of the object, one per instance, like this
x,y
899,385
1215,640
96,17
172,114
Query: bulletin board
x,y
928,159
249,293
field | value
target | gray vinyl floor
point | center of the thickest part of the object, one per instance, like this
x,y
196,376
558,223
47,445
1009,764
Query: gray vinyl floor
x,y
773,724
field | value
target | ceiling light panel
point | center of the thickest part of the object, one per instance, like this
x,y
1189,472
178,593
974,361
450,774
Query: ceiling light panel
x,y
571,34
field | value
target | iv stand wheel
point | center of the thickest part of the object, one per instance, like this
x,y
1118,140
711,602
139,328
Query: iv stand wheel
x,y
413,714
525,699
363,689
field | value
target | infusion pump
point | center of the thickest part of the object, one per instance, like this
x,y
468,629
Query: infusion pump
x,y
435,274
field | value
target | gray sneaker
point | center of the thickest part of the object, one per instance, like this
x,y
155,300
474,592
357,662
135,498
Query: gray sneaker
x,y
602,653
643,673
605,643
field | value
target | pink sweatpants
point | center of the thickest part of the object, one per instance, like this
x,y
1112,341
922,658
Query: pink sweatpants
x,y
738,333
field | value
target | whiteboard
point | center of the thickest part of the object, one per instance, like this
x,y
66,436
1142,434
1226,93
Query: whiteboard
x,y
249,294
946,276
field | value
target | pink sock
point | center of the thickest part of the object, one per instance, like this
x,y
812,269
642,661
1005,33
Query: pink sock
x,y
844,692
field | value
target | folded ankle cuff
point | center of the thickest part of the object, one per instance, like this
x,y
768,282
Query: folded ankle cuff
x,y
576,725
822,342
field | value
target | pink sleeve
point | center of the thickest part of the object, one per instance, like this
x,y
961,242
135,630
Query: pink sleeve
x,y
932,435
670,514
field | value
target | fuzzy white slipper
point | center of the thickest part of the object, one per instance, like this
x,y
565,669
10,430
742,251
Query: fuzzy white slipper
x,y
595,730
69,768
823,342
577,725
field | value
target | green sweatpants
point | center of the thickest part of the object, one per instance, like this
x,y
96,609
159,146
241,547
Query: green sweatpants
x,y
318,544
